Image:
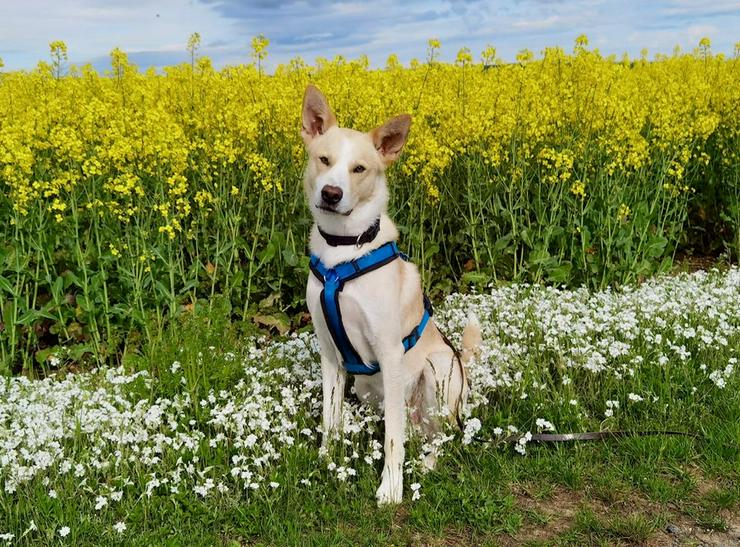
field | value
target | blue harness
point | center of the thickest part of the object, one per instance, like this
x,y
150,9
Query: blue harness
x,y
333,280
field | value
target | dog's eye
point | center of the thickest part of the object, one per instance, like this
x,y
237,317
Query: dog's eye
x,y
358,169
324,160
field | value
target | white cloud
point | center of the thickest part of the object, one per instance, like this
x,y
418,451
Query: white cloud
x,y
156,31
91,29
697,32
538,24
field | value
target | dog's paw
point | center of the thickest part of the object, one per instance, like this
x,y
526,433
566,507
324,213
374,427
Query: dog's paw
x,y
389,492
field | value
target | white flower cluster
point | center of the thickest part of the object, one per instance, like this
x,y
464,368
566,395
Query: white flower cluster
x,y
541,345
542,339
472,426
721,376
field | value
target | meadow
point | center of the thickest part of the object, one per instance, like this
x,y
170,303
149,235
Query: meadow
x,y
216,439
131,197
160,377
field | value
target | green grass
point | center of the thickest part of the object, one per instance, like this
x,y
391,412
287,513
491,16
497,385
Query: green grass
x,y
600,493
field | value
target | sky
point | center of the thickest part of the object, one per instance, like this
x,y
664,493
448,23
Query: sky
x,y
155,32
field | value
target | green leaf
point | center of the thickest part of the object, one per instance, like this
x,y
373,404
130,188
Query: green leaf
x,y
56,290
561,273
43,354
6,286
71,279
28,318
268,253
475,278
656,247
503,242
290,257
432,250
277,321
539,256
270,300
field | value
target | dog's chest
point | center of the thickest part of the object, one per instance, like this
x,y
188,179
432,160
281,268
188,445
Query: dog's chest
x,y
365,303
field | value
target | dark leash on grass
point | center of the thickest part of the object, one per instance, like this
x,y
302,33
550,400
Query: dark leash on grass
x,y
596,436
557,437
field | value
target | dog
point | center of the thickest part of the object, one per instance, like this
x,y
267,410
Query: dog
x,y
370,316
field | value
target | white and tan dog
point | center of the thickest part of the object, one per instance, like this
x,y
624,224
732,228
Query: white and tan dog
x,y
346,190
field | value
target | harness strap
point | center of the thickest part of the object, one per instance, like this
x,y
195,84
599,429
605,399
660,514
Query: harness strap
x,y
333,280
413,337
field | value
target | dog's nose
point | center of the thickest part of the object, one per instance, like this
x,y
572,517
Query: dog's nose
x,y
331,194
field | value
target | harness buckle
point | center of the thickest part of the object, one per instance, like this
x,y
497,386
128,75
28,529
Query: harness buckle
x,y
331,276
369,234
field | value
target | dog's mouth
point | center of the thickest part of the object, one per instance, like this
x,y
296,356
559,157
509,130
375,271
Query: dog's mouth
x,y
333,210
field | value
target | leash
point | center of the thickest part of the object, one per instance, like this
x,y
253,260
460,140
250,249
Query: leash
x,y
456,356
594,436
554,437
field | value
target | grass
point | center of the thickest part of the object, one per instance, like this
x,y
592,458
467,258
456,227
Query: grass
x,y
609,492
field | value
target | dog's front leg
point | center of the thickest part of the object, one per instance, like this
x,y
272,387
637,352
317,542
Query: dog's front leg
x,y
333,378
391,485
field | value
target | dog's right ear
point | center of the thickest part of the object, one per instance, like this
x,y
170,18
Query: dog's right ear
x,y
317,116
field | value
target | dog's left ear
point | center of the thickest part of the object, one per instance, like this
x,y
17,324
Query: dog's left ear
x,y
390,137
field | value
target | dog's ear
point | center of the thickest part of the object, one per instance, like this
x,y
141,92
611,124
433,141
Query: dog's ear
x,y
317,116
390,137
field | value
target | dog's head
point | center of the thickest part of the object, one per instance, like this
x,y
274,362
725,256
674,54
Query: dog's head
x,y
345,175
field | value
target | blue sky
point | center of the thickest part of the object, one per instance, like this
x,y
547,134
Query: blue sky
x,y
154,32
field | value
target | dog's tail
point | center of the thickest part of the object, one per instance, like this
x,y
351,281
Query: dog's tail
x,y
471,346
471,339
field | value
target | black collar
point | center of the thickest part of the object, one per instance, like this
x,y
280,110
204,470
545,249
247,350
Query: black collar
x,y
365,237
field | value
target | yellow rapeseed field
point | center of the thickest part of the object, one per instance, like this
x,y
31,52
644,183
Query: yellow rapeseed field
x,y
183,184
122,133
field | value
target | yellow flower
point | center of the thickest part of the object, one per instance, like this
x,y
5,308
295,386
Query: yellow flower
x,y
578,188
582,41
203,198
623,213
58,49
464,57
524,56
259,49
488,56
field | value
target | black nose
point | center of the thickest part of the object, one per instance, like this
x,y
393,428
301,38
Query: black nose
x,y
331,194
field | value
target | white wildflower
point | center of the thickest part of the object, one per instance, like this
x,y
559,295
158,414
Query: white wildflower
x,y
472,427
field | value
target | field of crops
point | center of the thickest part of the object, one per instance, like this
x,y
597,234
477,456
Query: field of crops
x,y
131,197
